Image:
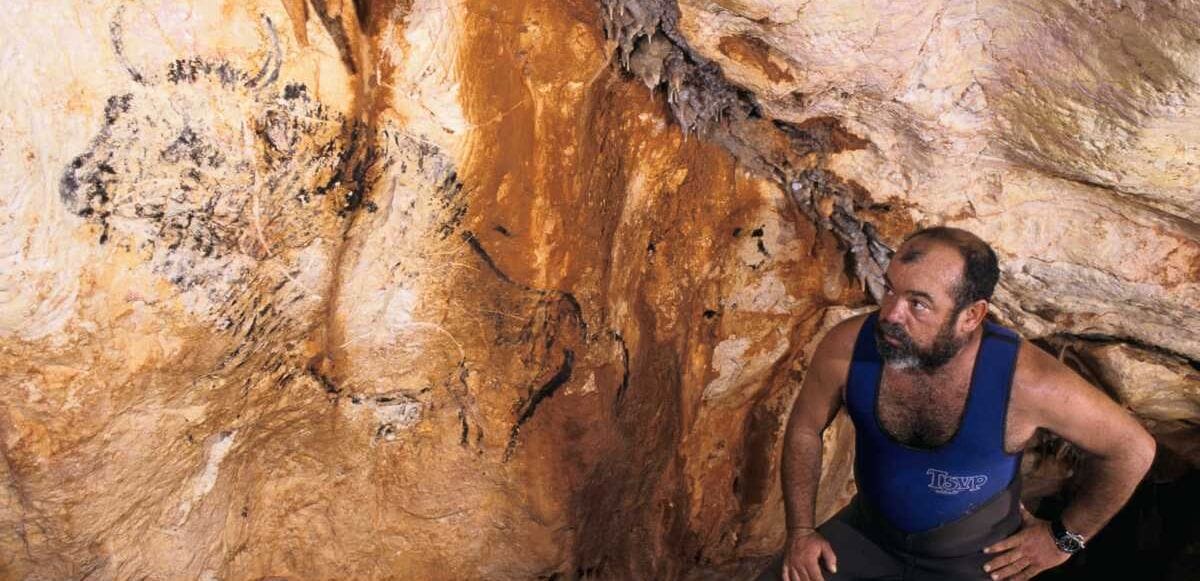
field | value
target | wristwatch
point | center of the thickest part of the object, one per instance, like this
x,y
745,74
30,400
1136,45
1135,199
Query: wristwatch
x,y
1067,541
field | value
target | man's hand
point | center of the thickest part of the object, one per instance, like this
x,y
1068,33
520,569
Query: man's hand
x,y
1027,552
800,561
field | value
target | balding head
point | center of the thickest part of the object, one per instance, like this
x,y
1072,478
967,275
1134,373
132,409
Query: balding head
x,y
980,270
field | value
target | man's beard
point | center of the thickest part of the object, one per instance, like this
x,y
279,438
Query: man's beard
x,y
906,354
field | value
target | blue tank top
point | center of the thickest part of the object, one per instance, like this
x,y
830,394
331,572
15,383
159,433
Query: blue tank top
x,y
917,489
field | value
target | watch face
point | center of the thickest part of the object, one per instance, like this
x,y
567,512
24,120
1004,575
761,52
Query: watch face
x,y
1068,544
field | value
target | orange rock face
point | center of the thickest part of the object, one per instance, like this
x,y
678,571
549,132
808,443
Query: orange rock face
x,y
409,292
424,290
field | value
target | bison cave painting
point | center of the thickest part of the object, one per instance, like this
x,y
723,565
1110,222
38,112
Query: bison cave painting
x,y
237,203
212,191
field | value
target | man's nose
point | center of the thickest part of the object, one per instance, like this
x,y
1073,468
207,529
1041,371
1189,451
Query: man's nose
x,y
891,311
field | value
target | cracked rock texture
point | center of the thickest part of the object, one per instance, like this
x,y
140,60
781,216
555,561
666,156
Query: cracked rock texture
x,y
411,289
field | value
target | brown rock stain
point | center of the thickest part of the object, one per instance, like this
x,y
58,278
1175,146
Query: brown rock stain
x,y
363,55
297,11
753,51
562,182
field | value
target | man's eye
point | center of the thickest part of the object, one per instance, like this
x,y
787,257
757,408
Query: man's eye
x,y
920,306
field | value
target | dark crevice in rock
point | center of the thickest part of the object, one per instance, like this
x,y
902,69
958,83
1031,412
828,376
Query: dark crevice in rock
x,y
1062,340
702,101
326,383
460,392
820,134
466,430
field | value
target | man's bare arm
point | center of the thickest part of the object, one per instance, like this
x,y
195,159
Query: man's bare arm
x,y
815,407
1052,396
1120,450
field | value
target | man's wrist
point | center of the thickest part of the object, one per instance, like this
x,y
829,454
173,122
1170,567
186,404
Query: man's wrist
x,y
1068,520
801,529
1065,539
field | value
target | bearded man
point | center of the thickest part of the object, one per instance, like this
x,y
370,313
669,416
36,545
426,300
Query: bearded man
x,y
943,403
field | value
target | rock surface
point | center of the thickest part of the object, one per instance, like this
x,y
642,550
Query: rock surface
x,y
409,289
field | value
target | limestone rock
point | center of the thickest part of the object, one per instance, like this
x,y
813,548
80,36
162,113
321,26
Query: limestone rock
x,y
525,289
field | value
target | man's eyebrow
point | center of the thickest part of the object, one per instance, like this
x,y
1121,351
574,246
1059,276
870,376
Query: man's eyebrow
x,y
917,293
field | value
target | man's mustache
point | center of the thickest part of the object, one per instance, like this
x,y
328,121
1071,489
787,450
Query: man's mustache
x,y
894,331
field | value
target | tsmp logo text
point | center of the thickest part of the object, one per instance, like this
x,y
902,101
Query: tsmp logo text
x,y
943,483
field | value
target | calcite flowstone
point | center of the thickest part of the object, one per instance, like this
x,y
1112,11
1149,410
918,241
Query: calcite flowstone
x,y
525,289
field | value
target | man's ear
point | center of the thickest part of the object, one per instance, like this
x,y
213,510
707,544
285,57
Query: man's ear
x,y
973,316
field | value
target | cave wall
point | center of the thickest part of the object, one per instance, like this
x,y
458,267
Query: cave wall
x,y
413,289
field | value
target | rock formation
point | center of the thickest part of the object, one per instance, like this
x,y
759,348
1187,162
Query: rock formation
x,y
409,289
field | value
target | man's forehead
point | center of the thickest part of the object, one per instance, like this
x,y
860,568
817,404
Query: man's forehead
x,y
928,251
925,266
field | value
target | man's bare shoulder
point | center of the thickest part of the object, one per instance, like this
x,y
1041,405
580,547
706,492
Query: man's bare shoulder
x,y
1037,371
1042,385
1048,394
